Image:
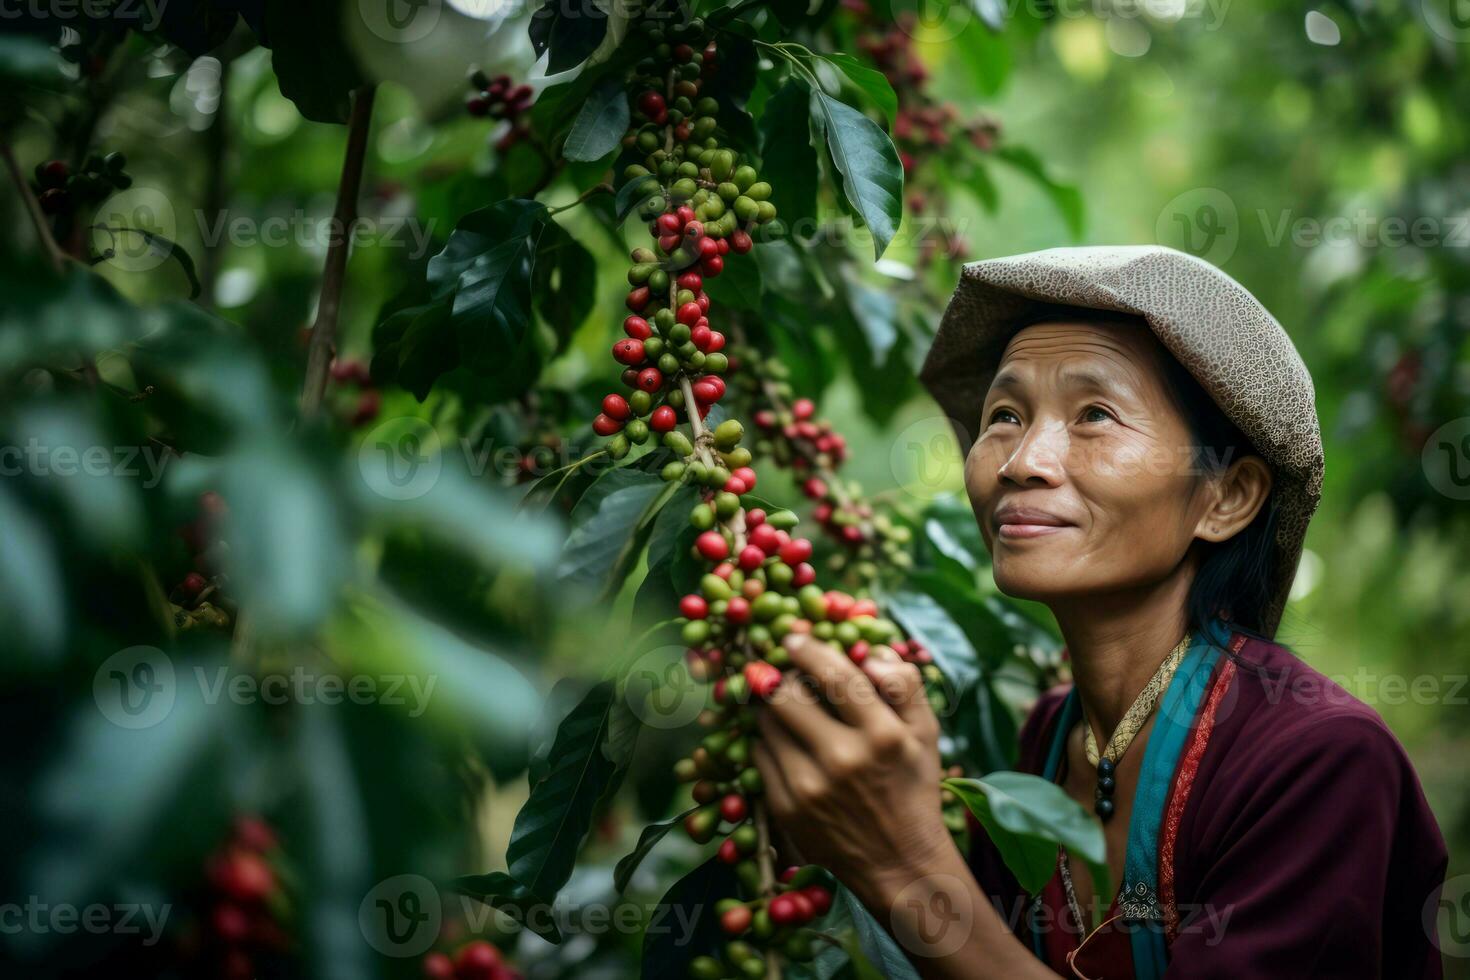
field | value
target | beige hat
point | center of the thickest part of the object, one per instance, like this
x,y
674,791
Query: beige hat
x,y
1221,334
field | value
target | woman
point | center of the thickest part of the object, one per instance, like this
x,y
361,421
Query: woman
x,y
1145,460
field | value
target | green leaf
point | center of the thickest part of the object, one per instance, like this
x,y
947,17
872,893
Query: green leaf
x,y
288,549
503,892
876,312
487,267
31,592
647,841
871,82
46,317
570,33
566,282
684,925
668,550
926,620
987,56
469,516
951,528
413,347
609,525
1026,818
789,161
309,54
872,178
600,124
340,856
866,943
552,824
635,192
992,13
1066,198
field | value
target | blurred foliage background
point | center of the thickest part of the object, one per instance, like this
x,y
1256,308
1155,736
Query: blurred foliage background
x,y
1318,156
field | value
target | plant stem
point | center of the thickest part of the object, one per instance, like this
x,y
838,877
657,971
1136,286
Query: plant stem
x,y
602,188
33,208
324,330
768,876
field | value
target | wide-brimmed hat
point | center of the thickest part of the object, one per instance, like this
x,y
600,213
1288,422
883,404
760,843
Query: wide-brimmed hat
x,y
1211,324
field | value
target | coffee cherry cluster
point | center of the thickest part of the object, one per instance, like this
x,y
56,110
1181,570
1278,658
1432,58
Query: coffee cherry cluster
x,y
475,960
801,896
198,599
501,99
243,892
61,191
352,373
702,204
791,434
759,587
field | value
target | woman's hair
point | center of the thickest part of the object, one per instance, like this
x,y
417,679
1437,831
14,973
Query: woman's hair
x,y
1236,577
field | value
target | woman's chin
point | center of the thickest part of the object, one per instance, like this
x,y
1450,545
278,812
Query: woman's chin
x,y
1034,580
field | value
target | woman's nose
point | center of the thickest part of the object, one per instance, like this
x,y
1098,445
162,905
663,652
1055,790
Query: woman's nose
x,y
1037,457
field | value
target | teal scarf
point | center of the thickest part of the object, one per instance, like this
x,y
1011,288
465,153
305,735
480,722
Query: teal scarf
x,y
1138,900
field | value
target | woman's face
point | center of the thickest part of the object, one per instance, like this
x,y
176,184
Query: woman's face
x,y
1083,476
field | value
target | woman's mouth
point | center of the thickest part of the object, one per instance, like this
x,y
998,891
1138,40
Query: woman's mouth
x,y
1026,522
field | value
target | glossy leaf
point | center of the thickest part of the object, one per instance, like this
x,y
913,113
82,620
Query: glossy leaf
x,y
684,925
789,161
1026,818
600,124
872,178
554,821
647,841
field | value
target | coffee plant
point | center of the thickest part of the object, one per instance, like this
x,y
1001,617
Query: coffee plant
x,y
590,599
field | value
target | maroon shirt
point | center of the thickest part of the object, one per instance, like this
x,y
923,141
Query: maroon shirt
x,y
1305,847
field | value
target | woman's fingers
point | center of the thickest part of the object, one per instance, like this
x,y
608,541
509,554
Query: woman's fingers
x,y
799,709
845,687
902,686
791,775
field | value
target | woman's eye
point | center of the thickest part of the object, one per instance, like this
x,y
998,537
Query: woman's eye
x,y
1004,415
1094,413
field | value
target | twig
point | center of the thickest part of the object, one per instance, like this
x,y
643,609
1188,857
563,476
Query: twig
x,y
324,330
33,208
768,877
602,188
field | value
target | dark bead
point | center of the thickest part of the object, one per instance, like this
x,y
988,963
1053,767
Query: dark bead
x,y
1103,807
1106,785
1105,767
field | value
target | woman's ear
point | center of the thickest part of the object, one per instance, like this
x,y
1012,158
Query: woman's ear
x,y
1239,495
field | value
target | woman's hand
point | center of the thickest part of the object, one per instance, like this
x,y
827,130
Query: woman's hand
x,y
856,788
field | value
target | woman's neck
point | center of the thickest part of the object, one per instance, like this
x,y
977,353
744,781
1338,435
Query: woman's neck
x,y
1115,643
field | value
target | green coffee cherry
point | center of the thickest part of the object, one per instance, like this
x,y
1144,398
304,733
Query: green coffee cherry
x,y
714,588
728,434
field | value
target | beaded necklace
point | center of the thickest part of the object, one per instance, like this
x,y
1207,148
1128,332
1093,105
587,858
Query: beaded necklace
x,y
1122,737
